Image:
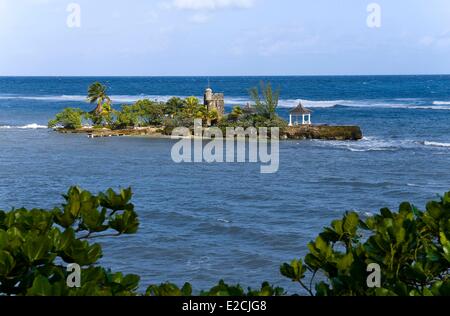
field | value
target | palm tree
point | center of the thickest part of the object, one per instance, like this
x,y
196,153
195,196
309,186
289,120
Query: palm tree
x,y
237,111
192,106
269,103
97,94
212,117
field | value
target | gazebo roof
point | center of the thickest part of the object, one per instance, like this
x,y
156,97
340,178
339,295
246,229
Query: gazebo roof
x,y
300,110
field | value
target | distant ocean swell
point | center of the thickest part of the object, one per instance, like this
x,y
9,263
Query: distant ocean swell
x,y
437,144
285,103
376,144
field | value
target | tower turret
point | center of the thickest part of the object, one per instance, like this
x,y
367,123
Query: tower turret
x,y
208,96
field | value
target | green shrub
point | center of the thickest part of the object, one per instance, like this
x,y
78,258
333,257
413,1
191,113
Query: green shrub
x,y
411,247
69,118
35,243
251,120
221,289
266,100
128,116
150,113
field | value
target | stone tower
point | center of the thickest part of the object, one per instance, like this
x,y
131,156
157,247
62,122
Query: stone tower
x,y
214,101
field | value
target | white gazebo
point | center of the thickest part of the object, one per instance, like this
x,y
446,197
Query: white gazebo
x,y
295,114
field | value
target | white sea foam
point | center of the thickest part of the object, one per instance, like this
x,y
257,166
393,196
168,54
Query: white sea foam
x,y
82,98
28,126
376,144
370,144
290,103
400,103
133,98
32,126
436,144
441,102
408,104
432,107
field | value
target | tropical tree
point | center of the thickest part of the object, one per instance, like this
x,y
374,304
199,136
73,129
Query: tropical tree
x,y
194,110
69,118
236,113
173,106
212,116
267,103
191,105
128,116
97,94
151,113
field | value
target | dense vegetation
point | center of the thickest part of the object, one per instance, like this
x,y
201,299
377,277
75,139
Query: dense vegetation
x,y
176,112
412,247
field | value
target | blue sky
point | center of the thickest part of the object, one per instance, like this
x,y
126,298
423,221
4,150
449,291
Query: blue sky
x,y
224,37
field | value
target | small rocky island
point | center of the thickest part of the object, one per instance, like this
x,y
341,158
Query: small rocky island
x,y
158,119
324,132
300,127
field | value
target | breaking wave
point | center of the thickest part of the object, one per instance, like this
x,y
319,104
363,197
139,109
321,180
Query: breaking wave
x,y
82,98
375,144
437,144
369,144
405,103
28,126
441,102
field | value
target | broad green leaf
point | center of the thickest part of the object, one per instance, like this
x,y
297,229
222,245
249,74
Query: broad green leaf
x,y
41,287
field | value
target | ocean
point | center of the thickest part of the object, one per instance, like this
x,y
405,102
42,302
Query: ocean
x,y
203,222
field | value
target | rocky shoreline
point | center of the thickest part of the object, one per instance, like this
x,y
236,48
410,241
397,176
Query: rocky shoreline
x,y
324,132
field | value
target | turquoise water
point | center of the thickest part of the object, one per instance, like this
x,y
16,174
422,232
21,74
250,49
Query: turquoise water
x,y
202,222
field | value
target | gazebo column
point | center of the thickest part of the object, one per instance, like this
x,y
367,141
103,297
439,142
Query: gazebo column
x,y
306,119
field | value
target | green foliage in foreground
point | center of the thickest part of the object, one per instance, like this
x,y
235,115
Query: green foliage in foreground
x,y
412,247
35,243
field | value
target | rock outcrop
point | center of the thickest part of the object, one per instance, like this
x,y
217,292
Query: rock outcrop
x,y
325,132
106,132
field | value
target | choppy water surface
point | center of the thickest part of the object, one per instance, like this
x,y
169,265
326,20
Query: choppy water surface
x,y
202,222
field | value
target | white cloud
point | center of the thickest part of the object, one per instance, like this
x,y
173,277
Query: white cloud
x,y
202,10
275,41
200,18
440,41
211,5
